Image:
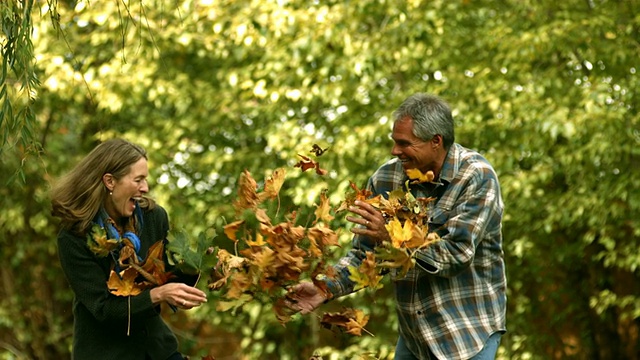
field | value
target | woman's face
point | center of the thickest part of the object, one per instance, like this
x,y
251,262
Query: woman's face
x,y
126,191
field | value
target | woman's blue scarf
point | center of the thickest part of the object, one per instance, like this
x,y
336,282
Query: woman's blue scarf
x,y
105,222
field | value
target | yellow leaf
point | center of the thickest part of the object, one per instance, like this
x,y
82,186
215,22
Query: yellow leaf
x,y
418,177
126,285
399,234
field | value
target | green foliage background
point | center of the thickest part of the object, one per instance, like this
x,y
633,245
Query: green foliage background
x,y
547,90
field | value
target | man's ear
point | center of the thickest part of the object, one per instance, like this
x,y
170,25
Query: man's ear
x,y
436,141
108,181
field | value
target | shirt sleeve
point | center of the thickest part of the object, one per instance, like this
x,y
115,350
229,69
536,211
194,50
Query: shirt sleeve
x,y
475,215
360,245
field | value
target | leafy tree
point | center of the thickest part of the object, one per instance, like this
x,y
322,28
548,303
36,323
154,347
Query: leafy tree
x,y
547,90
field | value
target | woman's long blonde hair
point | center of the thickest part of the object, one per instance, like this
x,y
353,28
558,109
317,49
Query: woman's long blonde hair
x,y
77,197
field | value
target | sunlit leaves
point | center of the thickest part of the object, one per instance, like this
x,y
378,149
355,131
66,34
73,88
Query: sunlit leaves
x,y
269,256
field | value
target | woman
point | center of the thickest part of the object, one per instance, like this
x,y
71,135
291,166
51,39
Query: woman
x,y
105,195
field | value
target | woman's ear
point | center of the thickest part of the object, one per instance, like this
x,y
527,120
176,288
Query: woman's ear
x,y
108,181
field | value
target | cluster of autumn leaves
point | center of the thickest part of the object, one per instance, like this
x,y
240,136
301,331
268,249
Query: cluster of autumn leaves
x,y
270,257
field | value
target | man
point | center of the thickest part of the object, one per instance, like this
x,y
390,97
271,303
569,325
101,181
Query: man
x,y
452,304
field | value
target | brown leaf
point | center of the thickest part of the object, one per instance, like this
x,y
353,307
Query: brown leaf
x,y
125,286
247,196
323,211
352,320
317,150
272,185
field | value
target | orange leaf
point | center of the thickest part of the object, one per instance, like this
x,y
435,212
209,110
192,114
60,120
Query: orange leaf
x,y
231,229
323,211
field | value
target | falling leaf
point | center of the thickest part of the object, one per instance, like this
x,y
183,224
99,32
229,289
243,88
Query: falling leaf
x,y
231,229
394,258
272,185
367,274
307,163
247,196
317,150
222,305
351,197
124,284
418,177
321,237
323,211
352,320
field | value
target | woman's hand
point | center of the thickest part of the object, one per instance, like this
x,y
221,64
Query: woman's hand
x,y
179,295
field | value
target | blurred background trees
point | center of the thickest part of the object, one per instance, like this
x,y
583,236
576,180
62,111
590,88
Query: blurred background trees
x,y
547,90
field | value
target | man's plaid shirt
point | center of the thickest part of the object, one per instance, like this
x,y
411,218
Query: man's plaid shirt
x,y
455,298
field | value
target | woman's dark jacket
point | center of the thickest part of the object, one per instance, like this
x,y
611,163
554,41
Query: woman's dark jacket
x,y
101,320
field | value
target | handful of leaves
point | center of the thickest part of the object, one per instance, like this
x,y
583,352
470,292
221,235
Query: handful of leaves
x,y
271,256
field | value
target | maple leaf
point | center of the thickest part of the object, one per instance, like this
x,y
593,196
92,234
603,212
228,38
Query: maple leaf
x,y
418,177
367,274
323,211
352,320
154,264
230,261
399,234
124,284
319,238
272,185
307,163
125,254
188,255
231,229
247,196
395,258
240,282
258,242
223,305
320,274
350,198
98,242
283,311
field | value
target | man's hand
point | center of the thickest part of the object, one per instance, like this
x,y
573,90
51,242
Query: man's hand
x,y
372,221
305,297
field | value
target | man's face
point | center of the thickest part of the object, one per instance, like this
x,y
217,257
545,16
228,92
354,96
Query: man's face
x,y
414,152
